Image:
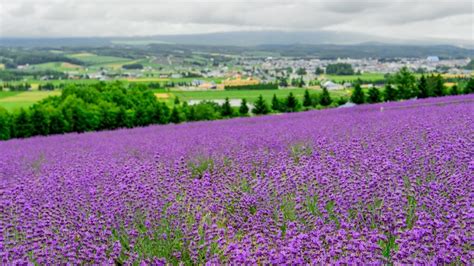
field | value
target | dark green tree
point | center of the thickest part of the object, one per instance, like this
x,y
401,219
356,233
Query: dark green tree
x,y
191,114
423,88
374,95
176,100
301,83
339,69
108,115
260,107
358,96
315,99
276,104
121,117
405,82
243,109
390,94
22,125
301,71
226,109
175,116
57,123
291,103
325,99
454,90
207,111
319,71
5,124
307,99
469,88
439,89
283,82
39,121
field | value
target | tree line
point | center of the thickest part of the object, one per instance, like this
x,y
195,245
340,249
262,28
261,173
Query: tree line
x,y
404,85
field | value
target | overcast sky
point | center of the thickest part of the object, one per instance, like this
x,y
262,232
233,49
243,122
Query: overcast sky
x,y
391,18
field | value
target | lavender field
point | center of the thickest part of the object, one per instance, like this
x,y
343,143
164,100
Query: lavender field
x,y
373,184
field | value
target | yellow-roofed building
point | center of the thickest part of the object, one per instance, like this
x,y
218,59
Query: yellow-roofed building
x,y
238,81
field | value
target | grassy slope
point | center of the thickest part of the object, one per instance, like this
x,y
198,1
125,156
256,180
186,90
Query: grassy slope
x,y
16,100
5,94
92,59
349,78
250,95
56,66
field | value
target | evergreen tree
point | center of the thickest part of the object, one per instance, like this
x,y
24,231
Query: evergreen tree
x,y
315,99
39,122
175,116
122,118
294,82
22,125
291,103
191,115
439,86
390,94
319,71
283,82
260,107
243,109
357,96
301,82
469,88
405,81
165,117
307,99
454,90
226,110
5,124
301,71
276,104
423,88
176,101
325,98
57,123
374,95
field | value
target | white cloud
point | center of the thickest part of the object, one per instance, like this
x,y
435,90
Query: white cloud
x,y
394,18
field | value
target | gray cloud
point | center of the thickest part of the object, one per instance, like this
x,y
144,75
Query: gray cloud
x,y
147,17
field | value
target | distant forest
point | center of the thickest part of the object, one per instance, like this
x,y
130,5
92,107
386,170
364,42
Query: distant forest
x,y
40,52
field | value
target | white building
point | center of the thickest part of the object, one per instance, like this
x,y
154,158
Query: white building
x,y
332,86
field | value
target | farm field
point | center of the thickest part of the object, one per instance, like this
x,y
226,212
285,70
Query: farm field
x,y
361,185
4,94
56,66
16,100
250,95
350,78
92,59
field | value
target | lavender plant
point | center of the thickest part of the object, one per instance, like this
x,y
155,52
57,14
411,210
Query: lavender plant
x,y
364,185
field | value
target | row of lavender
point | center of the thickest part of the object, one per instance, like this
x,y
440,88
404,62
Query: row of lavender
x,y
387,183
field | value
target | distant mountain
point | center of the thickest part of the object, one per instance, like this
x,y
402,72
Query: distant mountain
x,y
252,38
367,50
321,44
239,38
